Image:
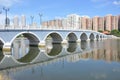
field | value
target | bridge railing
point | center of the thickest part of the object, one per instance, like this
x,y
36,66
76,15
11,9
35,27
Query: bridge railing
x,y
3,27
29,27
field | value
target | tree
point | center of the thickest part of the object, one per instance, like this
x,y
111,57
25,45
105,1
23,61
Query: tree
x,y
115,32
100,31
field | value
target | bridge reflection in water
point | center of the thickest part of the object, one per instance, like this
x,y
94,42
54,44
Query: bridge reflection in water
x,y
22,54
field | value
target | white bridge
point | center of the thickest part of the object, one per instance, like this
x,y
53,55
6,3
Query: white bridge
x,y
38,36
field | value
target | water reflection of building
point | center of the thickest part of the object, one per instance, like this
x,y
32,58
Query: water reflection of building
x,y
56,50
105,54
74,58
72,47
49,45
102,55
4,77
20,47
109,53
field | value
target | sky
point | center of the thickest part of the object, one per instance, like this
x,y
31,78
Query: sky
x,y
51,9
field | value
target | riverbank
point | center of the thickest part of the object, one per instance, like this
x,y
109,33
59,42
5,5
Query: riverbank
x,y
113,37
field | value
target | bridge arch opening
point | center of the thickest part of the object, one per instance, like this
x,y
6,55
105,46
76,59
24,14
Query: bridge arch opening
x,y
72,47
72,37
54,37
1,52
1,44
83,45
97,37
83,37
92,37
55,51
100,36
33,39
29,56
24,47
21,47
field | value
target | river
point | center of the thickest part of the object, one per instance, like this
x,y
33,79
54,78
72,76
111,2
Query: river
x,y
88,60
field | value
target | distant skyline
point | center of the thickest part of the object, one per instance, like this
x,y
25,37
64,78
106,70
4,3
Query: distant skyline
x,y
58,8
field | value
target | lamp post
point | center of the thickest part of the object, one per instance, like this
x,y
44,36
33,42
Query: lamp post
x,y
6,19
32,17
40,18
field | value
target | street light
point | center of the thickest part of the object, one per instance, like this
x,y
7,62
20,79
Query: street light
x,y
32,17
40,18
6,19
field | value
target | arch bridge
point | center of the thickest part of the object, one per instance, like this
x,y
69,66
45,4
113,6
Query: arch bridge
x,y
38,37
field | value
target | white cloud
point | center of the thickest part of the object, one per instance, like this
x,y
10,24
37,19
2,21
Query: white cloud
x,y
116,2
8,3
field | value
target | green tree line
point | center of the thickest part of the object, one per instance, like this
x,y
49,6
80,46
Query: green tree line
x,y
115,33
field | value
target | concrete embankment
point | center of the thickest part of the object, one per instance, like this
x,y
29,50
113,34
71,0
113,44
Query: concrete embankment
x,y
113,37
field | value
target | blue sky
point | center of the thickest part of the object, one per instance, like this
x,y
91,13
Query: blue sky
x,y
59,8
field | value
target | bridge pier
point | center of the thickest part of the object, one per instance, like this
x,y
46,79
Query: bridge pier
x,y
41,44
64,41
88,39
7,49
78,41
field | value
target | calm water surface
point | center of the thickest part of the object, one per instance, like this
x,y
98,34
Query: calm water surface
x,y
96,60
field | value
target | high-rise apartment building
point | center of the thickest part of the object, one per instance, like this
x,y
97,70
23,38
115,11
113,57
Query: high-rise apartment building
x,y
111,22
23,21
74,21
45,24
95,23
116,22
101,23
60,26
16,21
58,23
83,22
88,23
65,24
119,22
79,23
108,22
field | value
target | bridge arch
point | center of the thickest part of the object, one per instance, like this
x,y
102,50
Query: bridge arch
x,y
55,51
71,37
97,37
83,37
30,56
92,36
101,37
1,42
33,38
72,47
56,37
